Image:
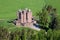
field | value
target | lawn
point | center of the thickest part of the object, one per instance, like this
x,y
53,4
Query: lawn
x,y
9,8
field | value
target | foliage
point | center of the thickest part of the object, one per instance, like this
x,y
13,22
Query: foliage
x,y
44,18
49,34
48,18
42,35
4,34
53,35
28,34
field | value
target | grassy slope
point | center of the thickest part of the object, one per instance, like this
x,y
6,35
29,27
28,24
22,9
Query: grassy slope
x,y
8,8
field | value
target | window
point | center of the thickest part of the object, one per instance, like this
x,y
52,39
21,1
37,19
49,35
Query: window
x,y
26,16
19,15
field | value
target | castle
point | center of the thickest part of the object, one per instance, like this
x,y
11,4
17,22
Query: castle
x,y
25,18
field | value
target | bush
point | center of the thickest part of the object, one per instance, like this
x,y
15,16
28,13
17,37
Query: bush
x,y
4,34
42,35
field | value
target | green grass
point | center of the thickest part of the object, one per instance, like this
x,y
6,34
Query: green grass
x,y
8,8
56,4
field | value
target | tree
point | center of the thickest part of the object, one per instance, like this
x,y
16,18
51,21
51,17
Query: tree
x,y
53,23
44,18
48,18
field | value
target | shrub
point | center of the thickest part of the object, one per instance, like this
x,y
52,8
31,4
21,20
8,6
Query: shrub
x,y
4,34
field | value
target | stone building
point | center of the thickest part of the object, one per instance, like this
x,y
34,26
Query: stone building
x,y
25,18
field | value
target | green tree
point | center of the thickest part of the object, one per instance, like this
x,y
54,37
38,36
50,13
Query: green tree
x,y
44,18
48,18
54,20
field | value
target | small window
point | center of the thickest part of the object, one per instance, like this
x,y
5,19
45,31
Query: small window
x,y
26,16
19,15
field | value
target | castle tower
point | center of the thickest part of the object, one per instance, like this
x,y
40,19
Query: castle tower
x,y
24,17
18,17
29,16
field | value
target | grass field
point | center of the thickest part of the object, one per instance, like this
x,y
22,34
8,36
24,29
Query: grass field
x,y
8,8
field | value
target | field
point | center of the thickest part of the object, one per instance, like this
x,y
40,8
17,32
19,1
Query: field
x,y
9,8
